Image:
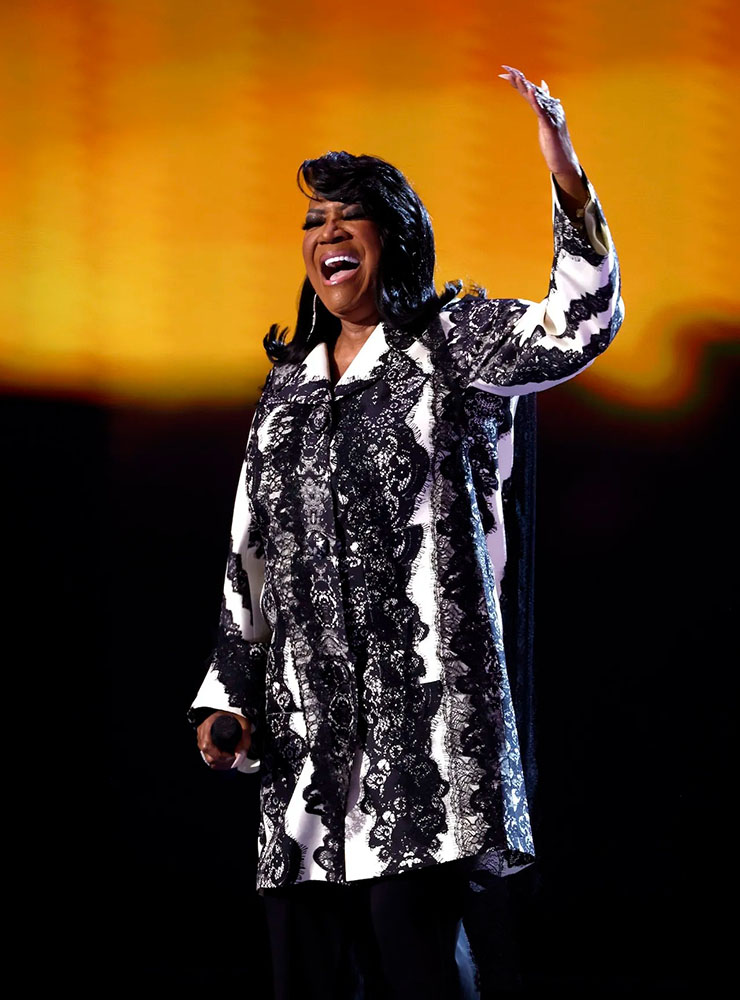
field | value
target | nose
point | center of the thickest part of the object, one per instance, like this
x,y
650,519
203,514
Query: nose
x,y
332,231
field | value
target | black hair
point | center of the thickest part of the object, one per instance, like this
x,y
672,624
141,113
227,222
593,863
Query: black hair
x,y
404,292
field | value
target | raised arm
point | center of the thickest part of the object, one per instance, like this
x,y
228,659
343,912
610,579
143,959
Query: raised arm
x,y
515,346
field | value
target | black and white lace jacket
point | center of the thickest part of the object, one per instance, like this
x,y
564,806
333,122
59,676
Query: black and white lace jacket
x,y
361,626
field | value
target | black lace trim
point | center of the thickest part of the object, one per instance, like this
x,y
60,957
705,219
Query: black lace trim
x,y
240,666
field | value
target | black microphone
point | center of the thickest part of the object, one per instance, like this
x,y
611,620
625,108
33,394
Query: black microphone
x,y
226,732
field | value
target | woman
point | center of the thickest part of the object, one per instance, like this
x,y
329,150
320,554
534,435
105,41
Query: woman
x,y
361,645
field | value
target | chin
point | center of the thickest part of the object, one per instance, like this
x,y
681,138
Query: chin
x,y
341,308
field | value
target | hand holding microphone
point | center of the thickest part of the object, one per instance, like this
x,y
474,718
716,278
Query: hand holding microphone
x,y
223,740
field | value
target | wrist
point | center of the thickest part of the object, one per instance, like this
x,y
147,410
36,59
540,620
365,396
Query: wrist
x,y
574,191
572,205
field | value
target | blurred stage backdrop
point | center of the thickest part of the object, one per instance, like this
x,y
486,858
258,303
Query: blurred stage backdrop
x,y
151,233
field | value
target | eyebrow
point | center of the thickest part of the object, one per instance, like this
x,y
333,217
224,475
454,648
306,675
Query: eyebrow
x,y
322,211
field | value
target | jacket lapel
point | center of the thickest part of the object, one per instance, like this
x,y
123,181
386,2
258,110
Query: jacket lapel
x,y
366,366
310,381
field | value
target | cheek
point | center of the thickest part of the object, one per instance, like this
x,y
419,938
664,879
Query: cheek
x,y
307,255
376,250
311,272
375,265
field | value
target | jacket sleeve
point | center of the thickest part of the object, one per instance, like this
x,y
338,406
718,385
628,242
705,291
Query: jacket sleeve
x,y
235,681
514,346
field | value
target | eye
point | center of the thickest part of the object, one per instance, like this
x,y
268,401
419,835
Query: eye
x,y
311,222
355,213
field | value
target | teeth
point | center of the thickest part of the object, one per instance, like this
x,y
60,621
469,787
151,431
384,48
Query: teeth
x,y
333,261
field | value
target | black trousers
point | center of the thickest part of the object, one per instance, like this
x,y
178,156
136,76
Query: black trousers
x,y
390,938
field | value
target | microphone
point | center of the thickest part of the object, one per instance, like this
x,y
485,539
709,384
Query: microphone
x,y
226,733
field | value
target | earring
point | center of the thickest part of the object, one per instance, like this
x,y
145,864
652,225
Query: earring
x,y
313,323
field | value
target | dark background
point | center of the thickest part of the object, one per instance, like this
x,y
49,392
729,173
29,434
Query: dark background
x,y
141,861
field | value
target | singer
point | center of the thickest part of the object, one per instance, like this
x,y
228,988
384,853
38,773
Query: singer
x,y
361,641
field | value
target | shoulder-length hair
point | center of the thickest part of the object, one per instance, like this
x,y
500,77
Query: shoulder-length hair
x,y
404,291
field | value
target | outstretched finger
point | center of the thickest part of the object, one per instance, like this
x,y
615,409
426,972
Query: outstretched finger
x,y
520,83
547,108
514,72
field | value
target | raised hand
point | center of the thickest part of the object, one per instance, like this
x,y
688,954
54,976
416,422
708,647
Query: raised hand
x,y
555,142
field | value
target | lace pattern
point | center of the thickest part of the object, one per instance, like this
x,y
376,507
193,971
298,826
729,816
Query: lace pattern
x,y
371,547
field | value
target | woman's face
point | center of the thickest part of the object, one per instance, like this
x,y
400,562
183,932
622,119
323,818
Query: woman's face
x,y
341,250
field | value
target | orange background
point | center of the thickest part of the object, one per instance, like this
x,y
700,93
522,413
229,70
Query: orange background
x,y
151,221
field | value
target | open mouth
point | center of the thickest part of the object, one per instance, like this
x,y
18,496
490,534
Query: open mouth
x,y
338,268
